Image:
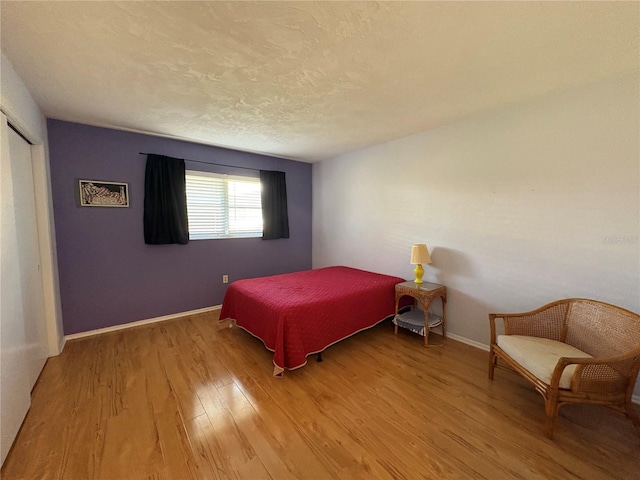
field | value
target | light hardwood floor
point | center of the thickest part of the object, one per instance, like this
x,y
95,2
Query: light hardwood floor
x,y
192,398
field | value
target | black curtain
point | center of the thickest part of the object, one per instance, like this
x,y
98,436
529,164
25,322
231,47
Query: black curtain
x,y
274,205
165,201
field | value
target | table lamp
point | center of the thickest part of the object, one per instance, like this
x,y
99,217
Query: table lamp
x,y
419,255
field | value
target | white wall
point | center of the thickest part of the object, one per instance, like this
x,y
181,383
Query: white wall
x,y
23,113
519,207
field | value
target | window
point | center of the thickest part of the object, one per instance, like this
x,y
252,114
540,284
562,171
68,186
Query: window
x,y
223,206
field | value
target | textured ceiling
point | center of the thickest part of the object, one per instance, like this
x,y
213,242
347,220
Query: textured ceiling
x,y
306,80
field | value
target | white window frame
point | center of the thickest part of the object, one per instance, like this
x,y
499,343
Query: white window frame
x,y
210,218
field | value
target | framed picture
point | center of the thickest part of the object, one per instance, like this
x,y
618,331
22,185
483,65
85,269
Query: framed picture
x,y
95,193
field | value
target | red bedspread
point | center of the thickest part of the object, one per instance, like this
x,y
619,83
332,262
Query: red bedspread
x,y
298,314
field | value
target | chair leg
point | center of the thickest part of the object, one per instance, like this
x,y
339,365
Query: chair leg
x,y
551,409
631,413
492,362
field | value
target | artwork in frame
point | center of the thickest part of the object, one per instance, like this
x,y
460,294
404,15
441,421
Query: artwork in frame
x,y
96,193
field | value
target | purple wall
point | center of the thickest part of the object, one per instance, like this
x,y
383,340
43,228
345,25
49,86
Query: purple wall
x,y
109,276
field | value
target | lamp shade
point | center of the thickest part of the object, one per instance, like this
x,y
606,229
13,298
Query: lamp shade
x,y
420,254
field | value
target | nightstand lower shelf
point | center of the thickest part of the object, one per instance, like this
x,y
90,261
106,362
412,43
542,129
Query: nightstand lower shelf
x,y
413,320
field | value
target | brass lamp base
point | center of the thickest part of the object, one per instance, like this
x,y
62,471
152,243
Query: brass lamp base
x,y
418,272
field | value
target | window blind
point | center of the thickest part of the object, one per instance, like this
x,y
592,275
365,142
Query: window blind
x,y
223,206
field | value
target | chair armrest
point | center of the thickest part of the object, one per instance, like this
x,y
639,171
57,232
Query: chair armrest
x,y
599,374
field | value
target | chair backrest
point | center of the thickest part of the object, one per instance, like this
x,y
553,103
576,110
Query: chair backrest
x,y
600,329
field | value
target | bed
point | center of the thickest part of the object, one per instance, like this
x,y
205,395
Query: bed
x,y
302,313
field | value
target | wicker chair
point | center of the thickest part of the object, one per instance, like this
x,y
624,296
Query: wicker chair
x,y
603,370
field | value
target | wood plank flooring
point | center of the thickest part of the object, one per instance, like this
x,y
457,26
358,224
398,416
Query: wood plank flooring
x,y
194,399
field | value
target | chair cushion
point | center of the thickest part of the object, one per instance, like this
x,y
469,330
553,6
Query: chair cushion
x,y
540,356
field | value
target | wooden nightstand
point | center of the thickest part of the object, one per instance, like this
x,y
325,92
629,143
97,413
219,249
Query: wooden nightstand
x,y
415,320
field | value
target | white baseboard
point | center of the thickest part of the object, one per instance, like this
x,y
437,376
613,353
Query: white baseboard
x,y
114,328
482,346
473,343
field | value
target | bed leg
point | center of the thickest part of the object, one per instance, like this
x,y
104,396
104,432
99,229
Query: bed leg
x,y
319,359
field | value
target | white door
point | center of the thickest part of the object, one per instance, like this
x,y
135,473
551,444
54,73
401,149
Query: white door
x,y
22,321
28,254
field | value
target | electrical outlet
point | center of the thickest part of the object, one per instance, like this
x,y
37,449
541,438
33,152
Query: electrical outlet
x,y
225,278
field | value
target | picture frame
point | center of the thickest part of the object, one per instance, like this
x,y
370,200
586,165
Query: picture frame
x,y
98,193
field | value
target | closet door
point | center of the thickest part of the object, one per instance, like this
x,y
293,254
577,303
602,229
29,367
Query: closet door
x,y
28,254
22,323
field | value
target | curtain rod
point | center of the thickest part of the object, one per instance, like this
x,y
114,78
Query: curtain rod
x,y
206,163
